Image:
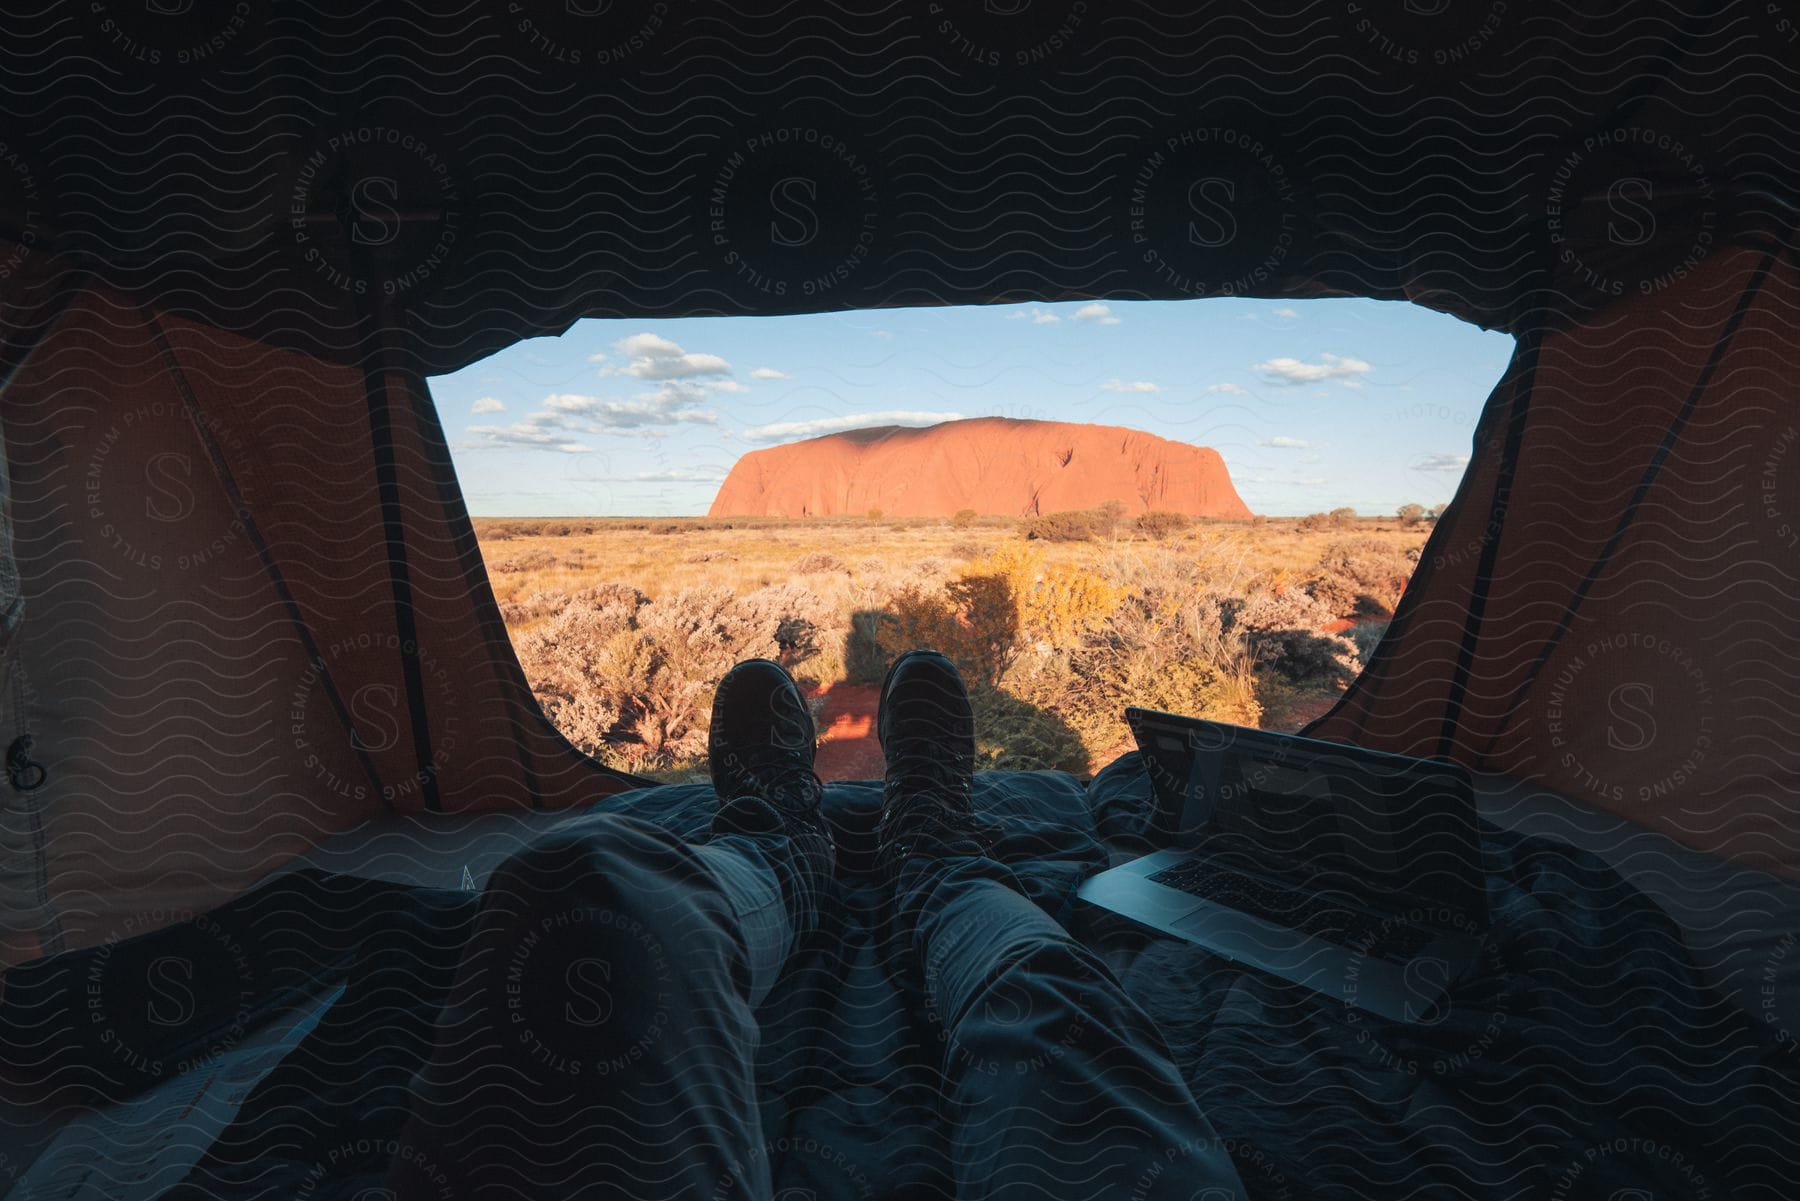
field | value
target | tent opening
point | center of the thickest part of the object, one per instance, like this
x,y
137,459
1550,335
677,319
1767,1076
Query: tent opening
x,y
1211,509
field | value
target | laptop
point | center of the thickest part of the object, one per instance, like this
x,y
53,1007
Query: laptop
x,y
1354,873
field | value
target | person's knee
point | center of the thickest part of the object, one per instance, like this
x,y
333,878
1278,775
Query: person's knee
x,y
1048,992
586,951
614,862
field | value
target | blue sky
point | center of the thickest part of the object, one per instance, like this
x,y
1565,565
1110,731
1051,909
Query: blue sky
x,y
1313,404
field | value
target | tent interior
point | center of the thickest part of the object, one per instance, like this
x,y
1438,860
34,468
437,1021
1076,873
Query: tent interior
x,y
235,241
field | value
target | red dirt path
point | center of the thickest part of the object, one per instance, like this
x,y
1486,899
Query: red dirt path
x,y
848,748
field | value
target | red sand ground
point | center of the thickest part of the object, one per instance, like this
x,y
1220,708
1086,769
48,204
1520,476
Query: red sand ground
x,y
848,748
993,465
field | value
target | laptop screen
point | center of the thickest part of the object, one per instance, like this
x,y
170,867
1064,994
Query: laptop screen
x,y
1396,833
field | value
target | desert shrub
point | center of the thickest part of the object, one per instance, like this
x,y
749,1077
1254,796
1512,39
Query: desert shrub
x,y
631,681
864,659
1334,592
968,548
1012,734
1282,633
1165,644
963,519
1161,523
874,514
1365,636
1376,571
1306,656
1262,609
1410,514
667,527
1070,525
1342,517
973,620
1105,519
533,560
1313,521
818,562
710,556
535,606
620,601
1050,602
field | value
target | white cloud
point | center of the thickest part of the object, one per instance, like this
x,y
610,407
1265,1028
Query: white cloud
x,y
768,373
596,358
678,475
529,434
1035,315
566,416
1096,312
1227,389
788,431
1441,463
1288,313
487,404
653,357
1287,371
1283,442
883,334
1119,385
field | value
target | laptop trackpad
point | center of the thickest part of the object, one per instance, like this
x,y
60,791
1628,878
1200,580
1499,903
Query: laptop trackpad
x,y
1239,936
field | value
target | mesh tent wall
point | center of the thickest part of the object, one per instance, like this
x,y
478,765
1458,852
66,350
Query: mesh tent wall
x,y
248,609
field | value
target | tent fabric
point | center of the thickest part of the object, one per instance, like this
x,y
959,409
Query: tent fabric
x,y
1588,996
247,627
243,236
1637,655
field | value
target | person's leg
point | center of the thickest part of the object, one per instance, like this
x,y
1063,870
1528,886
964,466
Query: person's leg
x,y
600,1038
1055,1082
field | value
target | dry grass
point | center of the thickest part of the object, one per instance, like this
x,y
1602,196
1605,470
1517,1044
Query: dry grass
x,y
1228,619
660,556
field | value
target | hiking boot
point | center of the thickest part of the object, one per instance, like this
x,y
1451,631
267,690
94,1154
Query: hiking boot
x,y
762,741
927,732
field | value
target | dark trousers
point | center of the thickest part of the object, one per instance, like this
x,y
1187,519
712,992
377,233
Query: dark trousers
x,y
601,1038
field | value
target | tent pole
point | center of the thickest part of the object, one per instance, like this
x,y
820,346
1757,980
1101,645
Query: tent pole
x,y
1490,539
377,329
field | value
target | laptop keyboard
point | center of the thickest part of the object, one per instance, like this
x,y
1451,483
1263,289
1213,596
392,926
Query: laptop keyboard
x,y
1297,909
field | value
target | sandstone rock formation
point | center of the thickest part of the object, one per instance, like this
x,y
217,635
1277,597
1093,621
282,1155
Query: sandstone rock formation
x,y
994,465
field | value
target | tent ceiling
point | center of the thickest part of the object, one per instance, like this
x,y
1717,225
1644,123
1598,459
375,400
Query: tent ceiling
x,y
483,174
